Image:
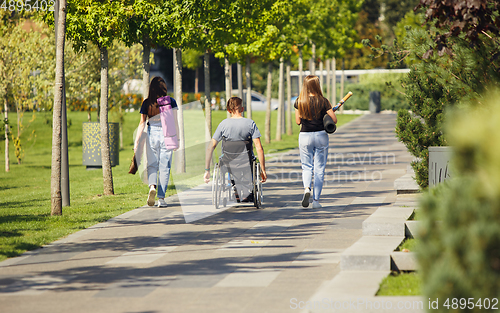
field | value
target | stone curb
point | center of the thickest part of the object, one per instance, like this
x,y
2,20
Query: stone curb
x,y
403,261
387,221
406,183
411,229
370,253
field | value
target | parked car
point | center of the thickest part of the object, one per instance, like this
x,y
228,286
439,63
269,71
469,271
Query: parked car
x,y
259,101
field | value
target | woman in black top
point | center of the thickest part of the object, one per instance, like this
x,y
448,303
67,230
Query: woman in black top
x,y
159,157
310,108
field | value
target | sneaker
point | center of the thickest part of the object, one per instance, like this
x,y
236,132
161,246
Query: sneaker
x,y
316,204
162,203
151,196
305,198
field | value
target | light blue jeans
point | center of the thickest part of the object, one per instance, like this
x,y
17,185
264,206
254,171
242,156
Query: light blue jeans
x,y
159,160
313,155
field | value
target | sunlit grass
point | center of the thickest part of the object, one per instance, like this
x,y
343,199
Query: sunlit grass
x,y
401,284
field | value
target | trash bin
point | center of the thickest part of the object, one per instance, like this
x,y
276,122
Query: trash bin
x,y
439,165
374,102
91,144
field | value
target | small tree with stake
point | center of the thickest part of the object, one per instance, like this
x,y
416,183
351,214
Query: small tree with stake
x,y
99,23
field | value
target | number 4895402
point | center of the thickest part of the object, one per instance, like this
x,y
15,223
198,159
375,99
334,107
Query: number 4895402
x,y
27,5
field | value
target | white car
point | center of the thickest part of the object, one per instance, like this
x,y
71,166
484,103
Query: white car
x,y
259,101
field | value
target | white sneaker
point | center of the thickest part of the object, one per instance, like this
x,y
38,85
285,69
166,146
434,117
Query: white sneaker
x,y
305,198
316,205
151,196
162,203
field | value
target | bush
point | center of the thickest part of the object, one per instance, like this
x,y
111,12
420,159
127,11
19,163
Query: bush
x,y
437,83
459,250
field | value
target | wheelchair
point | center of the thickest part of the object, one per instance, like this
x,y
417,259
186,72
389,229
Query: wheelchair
x,y
236,174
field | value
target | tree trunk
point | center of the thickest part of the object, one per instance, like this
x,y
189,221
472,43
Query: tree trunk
x,y
333,99
240,81
328,77
321,77
301,69
208,98
55,178
121,126
180,153
227,76
65,194
267,135
196,80
281,99
341,110
146,67
17,142
107,173
6,111
249,88
289,130
313,60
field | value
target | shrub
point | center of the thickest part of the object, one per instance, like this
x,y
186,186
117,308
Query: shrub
x,y
437,83
459,250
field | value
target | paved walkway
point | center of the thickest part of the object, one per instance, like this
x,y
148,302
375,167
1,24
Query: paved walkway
x,y
240,260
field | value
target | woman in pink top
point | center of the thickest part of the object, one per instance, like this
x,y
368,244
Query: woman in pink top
x,y
159,158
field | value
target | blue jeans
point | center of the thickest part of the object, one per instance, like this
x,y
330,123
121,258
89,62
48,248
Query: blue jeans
x,y
159,160
313,155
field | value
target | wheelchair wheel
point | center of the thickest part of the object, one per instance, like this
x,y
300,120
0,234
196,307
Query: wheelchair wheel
x,y
217,187
257,186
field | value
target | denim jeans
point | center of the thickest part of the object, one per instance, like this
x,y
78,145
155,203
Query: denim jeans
x,y
159,160
313,155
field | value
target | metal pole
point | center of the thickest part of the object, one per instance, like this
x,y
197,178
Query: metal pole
x,y
240,81
64,132
342,84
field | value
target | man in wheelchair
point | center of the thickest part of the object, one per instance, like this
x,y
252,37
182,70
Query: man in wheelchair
x,y
237,134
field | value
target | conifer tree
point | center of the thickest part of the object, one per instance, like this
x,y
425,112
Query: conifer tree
x,y
458,251
438,81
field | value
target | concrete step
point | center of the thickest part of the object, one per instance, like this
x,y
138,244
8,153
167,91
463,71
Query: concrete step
x,y
403,261
351,284
406,183
387,221
370,253
411,229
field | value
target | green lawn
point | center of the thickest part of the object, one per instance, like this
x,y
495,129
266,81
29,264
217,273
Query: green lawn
x,y
401,284
409,244
25,221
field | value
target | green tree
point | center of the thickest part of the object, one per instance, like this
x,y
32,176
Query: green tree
x,y
5,75
93,21
154,23
27,69
372,10
360,57
82,74
395,10
125,64
436,83
192,60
